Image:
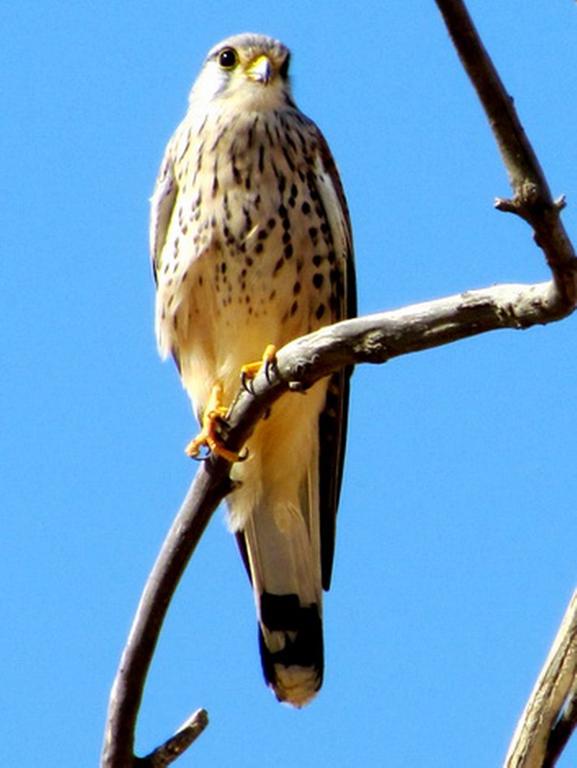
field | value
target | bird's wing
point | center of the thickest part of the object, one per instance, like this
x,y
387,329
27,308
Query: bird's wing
x,y
333,418
161,208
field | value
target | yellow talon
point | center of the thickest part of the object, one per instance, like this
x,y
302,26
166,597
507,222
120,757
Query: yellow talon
x,y
250,370
209,435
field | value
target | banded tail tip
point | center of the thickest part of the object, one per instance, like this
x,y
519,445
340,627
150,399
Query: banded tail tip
x,y
296,686
291,648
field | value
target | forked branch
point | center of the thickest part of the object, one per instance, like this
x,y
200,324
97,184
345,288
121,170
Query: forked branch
x,y
532,199
371,339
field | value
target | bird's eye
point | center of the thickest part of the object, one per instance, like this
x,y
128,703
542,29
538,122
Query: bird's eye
x,y
284,70
228,58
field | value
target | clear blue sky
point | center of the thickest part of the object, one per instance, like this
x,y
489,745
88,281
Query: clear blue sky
x,y
456,551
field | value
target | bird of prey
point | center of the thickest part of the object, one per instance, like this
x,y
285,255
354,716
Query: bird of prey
x,y
251,247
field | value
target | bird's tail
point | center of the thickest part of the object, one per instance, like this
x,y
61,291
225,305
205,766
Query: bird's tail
x,y
282,555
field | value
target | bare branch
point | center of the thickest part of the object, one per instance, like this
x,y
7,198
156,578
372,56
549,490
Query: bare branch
x,y
177,744
532,198
536,742
381,337
210,485
564,727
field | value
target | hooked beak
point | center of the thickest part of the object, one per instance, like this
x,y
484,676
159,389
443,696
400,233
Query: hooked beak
x,y
260,70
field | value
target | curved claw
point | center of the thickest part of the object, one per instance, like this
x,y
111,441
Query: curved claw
x,y
270,365
250,370
199,458
246,381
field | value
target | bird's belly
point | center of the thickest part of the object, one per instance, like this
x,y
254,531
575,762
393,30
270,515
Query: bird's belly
x,y
231,304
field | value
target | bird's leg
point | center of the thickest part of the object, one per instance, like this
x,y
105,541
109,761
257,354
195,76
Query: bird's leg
x,y
250,370
209,436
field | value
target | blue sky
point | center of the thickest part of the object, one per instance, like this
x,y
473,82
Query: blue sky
x,y
456,548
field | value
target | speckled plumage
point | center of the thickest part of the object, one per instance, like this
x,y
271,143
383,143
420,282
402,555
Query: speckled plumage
x,y
251,246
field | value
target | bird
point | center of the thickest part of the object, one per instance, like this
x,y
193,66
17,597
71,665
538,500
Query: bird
x,y
251,246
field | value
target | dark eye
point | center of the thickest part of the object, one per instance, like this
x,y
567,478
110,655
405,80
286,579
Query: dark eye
x,y
228,58
284,70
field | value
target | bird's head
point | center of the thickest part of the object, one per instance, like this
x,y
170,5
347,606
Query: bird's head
x,y
249,70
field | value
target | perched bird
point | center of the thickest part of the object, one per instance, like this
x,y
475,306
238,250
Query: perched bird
x,y
251,247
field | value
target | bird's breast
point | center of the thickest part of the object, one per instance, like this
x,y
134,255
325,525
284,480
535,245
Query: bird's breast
x,y
250,246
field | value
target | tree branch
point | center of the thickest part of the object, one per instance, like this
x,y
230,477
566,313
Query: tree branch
x,y
567,722
204,495
177,744
532,198
542,732
372,339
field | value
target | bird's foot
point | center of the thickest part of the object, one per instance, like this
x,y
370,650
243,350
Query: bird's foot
x,y
250,370
209,436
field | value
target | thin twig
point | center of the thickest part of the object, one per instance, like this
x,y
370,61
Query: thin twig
x,y
177,744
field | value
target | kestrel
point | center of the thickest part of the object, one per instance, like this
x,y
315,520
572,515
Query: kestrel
x,y
251,247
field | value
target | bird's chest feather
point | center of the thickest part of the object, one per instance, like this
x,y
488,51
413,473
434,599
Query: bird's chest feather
x,y
251,248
